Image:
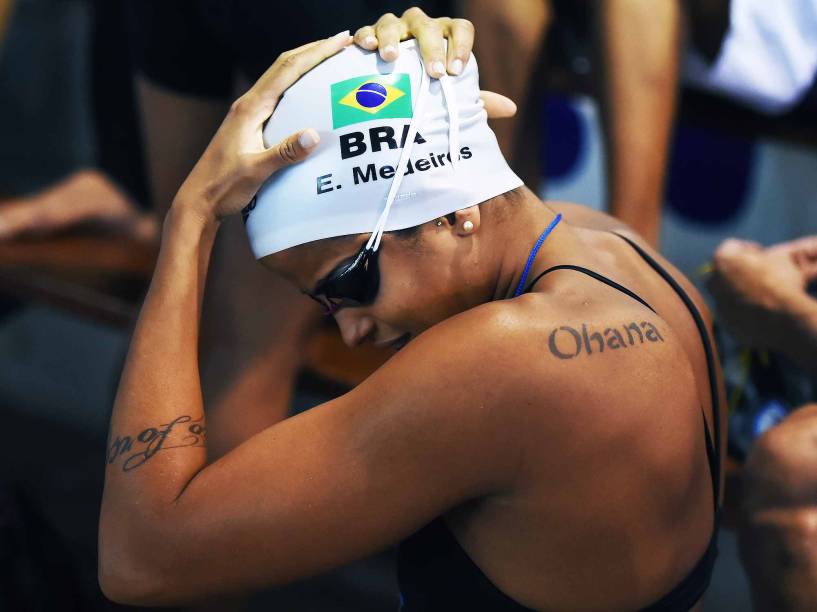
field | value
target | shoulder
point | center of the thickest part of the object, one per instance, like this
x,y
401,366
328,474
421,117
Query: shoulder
x,y
584,216
481,347
590,218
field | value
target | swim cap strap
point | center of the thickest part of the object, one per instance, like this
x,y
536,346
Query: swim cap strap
x,y
453,146
453,120
422,94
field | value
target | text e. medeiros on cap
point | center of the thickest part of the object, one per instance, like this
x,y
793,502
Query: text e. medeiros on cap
x,y
373,117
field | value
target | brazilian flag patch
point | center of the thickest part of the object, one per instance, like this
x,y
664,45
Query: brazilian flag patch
x,y
365,98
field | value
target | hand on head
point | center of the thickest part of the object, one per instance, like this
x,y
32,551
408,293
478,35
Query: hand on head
x,y
431,34
439,58
236,162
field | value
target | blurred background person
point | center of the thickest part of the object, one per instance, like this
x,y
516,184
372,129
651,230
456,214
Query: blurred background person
x,y
763,55
763,298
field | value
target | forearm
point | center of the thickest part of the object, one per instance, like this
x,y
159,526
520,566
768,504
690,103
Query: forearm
x,y
509,42
156,439
638,42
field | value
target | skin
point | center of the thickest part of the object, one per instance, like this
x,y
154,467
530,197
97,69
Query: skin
x,y
762,300
248,356
776,533
762,296
515,452
85,198
511,42
637,47
640,41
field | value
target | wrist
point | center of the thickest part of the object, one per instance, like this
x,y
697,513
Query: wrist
x,y
189,217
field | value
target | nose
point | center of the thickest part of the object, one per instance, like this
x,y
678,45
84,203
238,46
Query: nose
x,y
354,328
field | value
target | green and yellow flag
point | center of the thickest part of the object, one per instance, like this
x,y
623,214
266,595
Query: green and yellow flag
x,y
375,96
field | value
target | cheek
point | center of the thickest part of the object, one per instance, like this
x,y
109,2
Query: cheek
x,y
412,297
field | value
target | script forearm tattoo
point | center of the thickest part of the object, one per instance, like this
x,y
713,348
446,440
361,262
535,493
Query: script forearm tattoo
x,y
181,432
567,342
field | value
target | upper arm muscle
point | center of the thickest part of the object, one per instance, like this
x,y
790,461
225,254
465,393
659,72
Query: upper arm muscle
x,y
355,474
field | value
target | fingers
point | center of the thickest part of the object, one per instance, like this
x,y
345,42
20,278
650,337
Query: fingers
x,y
262,97
804,254
733,247
460,43
291,150
365,38
31,217
430,35
389,31
497,106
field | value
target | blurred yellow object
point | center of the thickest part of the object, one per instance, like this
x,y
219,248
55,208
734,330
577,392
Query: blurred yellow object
x,y
6,7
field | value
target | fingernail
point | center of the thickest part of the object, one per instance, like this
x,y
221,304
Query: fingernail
x,y
344,34
437,69
389,52
456,67
308,138
370,41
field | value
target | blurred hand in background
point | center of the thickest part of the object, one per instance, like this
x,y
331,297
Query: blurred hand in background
x,y
762,296
85,199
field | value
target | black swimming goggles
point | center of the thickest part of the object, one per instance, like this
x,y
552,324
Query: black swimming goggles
x,y
355,282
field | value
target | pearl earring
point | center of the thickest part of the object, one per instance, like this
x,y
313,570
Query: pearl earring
x,y
468,226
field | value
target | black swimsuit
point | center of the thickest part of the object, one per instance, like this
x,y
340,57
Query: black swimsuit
x,y
435,573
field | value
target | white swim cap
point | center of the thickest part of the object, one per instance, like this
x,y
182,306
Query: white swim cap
x,y
397,149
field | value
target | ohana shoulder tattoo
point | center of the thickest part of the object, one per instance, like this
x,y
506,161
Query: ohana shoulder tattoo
x,y
181,432
567,342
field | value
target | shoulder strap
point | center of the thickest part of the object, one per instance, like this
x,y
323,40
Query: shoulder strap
x,y
592,274
714,453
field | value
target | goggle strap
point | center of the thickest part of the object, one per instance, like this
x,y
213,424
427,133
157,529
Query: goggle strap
x,y
377,233
453,120
453,146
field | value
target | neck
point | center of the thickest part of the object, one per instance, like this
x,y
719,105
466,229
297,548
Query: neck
x,y
515,238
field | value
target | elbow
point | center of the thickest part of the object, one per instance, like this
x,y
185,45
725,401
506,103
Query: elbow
x,y
126,586
134,582
136,570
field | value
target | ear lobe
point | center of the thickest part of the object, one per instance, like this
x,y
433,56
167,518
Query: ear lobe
x,y
467,221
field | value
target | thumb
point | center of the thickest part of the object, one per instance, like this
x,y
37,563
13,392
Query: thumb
x,y
497,106
290,150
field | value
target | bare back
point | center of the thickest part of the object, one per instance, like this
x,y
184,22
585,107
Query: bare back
x,y
615,481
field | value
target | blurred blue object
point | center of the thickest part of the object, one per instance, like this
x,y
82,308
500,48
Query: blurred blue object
x,y
565,137
709,174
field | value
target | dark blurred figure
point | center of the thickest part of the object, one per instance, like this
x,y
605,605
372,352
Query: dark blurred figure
x,y
60,61
90,173
763,299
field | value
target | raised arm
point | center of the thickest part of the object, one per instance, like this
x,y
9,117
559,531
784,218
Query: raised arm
x,y
328,486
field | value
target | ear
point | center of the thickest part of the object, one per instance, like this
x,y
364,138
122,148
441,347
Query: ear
x,y
467,221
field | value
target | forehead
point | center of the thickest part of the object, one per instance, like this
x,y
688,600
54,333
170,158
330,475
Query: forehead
x,y
305,264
